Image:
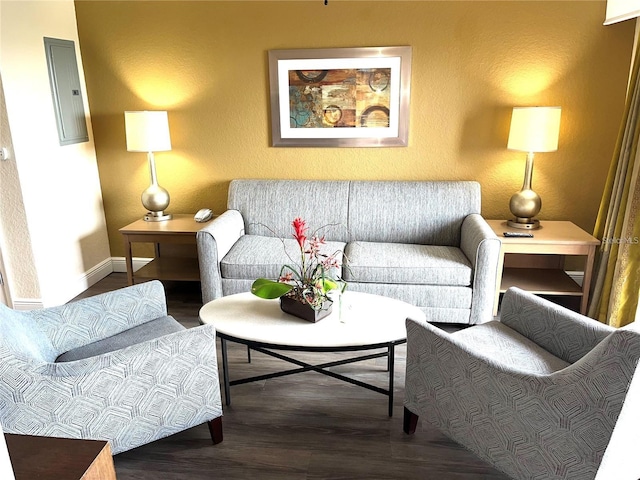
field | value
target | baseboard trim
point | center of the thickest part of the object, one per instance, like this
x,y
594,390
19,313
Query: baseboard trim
x,y
120,264
27,304
97,273
82,283
577,277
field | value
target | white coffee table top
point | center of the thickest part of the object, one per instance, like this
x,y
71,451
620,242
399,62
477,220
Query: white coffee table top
x,y
367,320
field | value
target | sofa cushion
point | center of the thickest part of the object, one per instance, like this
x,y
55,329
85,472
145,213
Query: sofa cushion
x,y
254,256
269,206
138,334
504,345
429,213
401,263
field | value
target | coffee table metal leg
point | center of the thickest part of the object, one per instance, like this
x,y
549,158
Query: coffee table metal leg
x,y
225,372
391,353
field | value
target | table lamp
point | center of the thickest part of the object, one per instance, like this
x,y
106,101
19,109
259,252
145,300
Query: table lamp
x,y
149,132
533,129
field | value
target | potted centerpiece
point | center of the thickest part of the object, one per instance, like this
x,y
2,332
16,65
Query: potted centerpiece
x,y
303,286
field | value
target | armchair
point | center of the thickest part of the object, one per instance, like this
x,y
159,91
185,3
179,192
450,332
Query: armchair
x,y
537,394
111,367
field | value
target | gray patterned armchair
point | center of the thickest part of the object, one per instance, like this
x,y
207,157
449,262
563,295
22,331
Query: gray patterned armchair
x,y
111,367
537,394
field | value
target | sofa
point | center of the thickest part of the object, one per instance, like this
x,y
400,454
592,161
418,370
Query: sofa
x,y
422,242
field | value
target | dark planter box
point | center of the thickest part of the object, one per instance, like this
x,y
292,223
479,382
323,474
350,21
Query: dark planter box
x,y
303,310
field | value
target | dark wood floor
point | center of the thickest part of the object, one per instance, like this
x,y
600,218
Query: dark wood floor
x,y
306,426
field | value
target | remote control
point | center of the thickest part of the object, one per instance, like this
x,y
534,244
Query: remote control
x,y
518,234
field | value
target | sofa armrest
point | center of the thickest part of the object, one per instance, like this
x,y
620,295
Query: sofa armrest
x,y
214,242
482,247
566,334
95,318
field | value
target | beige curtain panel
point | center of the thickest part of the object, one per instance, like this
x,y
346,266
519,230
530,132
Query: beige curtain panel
x,y
617,280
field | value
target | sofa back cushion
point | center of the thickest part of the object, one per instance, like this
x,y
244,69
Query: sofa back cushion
x,y
269,206
427,213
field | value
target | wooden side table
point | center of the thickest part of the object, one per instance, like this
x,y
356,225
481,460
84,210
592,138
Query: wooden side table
x,y
537,264
50,458
180,230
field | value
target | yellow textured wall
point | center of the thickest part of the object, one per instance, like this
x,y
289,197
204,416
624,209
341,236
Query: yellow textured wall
x,y
206,63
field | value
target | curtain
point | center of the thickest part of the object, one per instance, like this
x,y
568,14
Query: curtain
x,y
617,278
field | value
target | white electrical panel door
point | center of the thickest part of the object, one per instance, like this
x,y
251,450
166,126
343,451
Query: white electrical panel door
x,y
65,90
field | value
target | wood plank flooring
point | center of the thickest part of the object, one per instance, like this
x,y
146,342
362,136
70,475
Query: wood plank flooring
x,y
302,427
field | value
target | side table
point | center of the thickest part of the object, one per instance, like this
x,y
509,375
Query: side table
x,y
537,264
50,458
180,230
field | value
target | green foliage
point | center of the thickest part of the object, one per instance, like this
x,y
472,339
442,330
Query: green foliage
x,y
265,288
308,279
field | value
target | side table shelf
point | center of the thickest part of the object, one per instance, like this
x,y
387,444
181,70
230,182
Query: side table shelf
x,y
541,281
180,230
537,264
171,268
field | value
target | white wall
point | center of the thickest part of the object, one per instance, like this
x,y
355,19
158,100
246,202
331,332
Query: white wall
x,y
60,186
17,264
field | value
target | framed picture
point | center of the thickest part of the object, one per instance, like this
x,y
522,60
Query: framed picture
x,y
340,97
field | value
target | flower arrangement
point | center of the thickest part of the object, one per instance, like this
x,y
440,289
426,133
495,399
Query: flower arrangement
x,y
307,280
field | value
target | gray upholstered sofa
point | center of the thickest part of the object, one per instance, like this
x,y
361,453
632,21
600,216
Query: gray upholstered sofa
x,y
423,242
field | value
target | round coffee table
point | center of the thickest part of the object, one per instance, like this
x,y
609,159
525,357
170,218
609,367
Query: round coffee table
x,y
364,322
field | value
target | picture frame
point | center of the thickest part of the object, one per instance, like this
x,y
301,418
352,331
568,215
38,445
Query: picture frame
x,y
340,97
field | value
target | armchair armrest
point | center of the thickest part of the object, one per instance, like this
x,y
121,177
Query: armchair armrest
x,y
566,334
196,341
214,242
95,318
482,247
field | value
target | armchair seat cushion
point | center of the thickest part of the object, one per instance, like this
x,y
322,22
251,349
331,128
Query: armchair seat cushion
x,y
501,344
406,263
147,331
255,256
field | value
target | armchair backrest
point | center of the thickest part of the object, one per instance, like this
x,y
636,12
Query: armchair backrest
x,y
21,337
562,332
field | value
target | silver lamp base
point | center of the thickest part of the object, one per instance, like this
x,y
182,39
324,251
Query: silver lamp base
x,y
155,198
524,223
157,216
526,203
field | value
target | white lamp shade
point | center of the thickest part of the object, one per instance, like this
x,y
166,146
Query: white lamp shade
x,y
147,131
534,129
620,10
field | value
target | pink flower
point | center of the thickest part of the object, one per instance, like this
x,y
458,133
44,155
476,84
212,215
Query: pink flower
x,y
287,277
300,230
330,262
314,245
